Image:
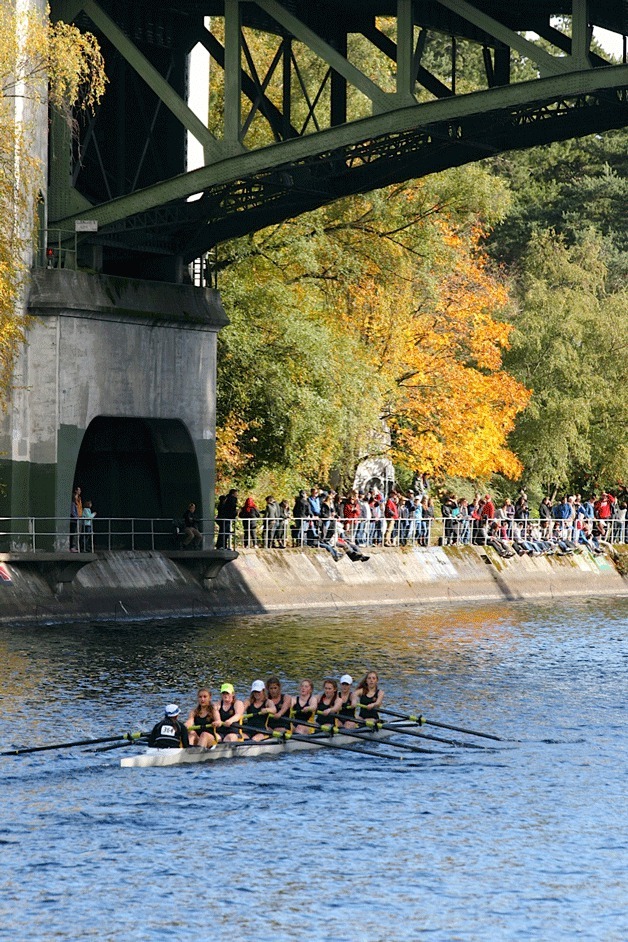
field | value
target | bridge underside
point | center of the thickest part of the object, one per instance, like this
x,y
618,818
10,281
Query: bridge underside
x,y
295,120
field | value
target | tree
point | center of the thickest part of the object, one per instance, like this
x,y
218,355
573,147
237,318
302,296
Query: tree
x,y
385,307
569,346
40,62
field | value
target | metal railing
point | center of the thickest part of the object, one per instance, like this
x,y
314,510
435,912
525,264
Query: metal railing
x,y
61,534
60,250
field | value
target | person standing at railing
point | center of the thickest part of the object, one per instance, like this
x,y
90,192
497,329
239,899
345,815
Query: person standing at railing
x,y
365,520
376,537
249,515
272,518
314,512
351,514
391,513
284,523
230,512
328,515
74,520
300,512
87,527
462,522
545,517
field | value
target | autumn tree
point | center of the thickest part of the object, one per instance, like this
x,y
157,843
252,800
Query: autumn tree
x,y
40,62
387,306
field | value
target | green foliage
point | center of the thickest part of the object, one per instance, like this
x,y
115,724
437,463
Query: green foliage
x,y
569,347
305,393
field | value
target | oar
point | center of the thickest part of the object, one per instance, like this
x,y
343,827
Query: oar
x,y
421,720
334,731
377,724
67,745
286,735
342,731
142,741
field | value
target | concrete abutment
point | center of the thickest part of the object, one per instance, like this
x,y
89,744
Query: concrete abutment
x,y
116,389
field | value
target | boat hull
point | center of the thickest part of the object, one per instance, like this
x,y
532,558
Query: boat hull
x,y
151,758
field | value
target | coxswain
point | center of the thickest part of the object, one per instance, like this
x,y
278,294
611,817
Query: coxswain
x,y
369,697
230,712
169,733
304,707
257,708
329,704
205,717
283,702
348,700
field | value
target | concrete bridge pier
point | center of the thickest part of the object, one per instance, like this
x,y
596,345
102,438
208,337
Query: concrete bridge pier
x,y
115,391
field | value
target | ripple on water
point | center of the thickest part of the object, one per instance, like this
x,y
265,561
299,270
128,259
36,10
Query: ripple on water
x,y
520,841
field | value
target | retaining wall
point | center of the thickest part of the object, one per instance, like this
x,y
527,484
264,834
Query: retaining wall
x,y
126,585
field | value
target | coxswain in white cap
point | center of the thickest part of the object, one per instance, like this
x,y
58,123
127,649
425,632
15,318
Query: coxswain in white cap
x,y
169,733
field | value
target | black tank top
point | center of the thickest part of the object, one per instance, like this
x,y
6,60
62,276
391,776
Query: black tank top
x,y
203,722
366,713
303,713
257,718
226,714
346,712
330,718
280,722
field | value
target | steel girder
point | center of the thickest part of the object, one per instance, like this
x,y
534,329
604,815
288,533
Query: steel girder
x,y
415,125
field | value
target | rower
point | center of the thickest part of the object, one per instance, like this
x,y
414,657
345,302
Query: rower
x,y
169,733
257,708
230,712
283,702
205,716
369,697
304,706
348,699
329,704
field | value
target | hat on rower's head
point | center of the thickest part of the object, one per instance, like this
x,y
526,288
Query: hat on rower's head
x,y
346,679
227,688
172,710
257,686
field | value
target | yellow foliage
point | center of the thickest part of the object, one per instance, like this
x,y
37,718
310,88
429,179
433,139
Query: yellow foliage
x,y
231,459
438,336
40,61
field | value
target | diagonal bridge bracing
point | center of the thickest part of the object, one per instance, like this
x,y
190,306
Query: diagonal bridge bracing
x,y
297,122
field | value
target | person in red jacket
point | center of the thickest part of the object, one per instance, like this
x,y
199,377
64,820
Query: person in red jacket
x,y
488,510
391,513
351,513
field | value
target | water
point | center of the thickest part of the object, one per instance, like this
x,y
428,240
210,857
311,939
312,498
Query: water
x,y
520,841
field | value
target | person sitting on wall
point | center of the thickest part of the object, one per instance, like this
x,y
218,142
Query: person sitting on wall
x,y
191,532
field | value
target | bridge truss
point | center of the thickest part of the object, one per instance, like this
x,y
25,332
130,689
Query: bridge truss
x,y
297,120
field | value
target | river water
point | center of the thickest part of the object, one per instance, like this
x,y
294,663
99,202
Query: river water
x,y
523,840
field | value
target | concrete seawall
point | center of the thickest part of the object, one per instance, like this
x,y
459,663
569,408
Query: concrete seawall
x,y
127,585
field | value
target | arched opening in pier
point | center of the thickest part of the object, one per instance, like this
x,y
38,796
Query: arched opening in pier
x,y
133,467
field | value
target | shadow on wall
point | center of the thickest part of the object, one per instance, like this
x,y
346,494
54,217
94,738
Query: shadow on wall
x,y
138,468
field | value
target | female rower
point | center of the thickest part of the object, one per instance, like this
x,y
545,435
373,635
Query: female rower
x,y
348,702
329,703
283,703
304,707
257,708
230,712
369,697
205,716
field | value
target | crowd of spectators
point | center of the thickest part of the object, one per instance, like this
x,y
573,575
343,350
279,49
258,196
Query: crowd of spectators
x,y
324,517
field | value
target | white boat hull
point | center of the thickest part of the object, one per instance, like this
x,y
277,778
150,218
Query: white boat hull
x,y
248,750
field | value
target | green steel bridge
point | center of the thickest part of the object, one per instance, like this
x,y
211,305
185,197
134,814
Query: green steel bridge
x,y
297,121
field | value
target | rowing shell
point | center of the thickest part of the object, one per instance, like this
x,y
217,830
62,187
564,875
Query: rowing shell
x,y
248,750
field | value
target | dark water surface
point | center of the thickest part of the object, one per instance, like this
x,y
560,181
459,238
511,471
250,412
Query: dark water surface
x,y
520,841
